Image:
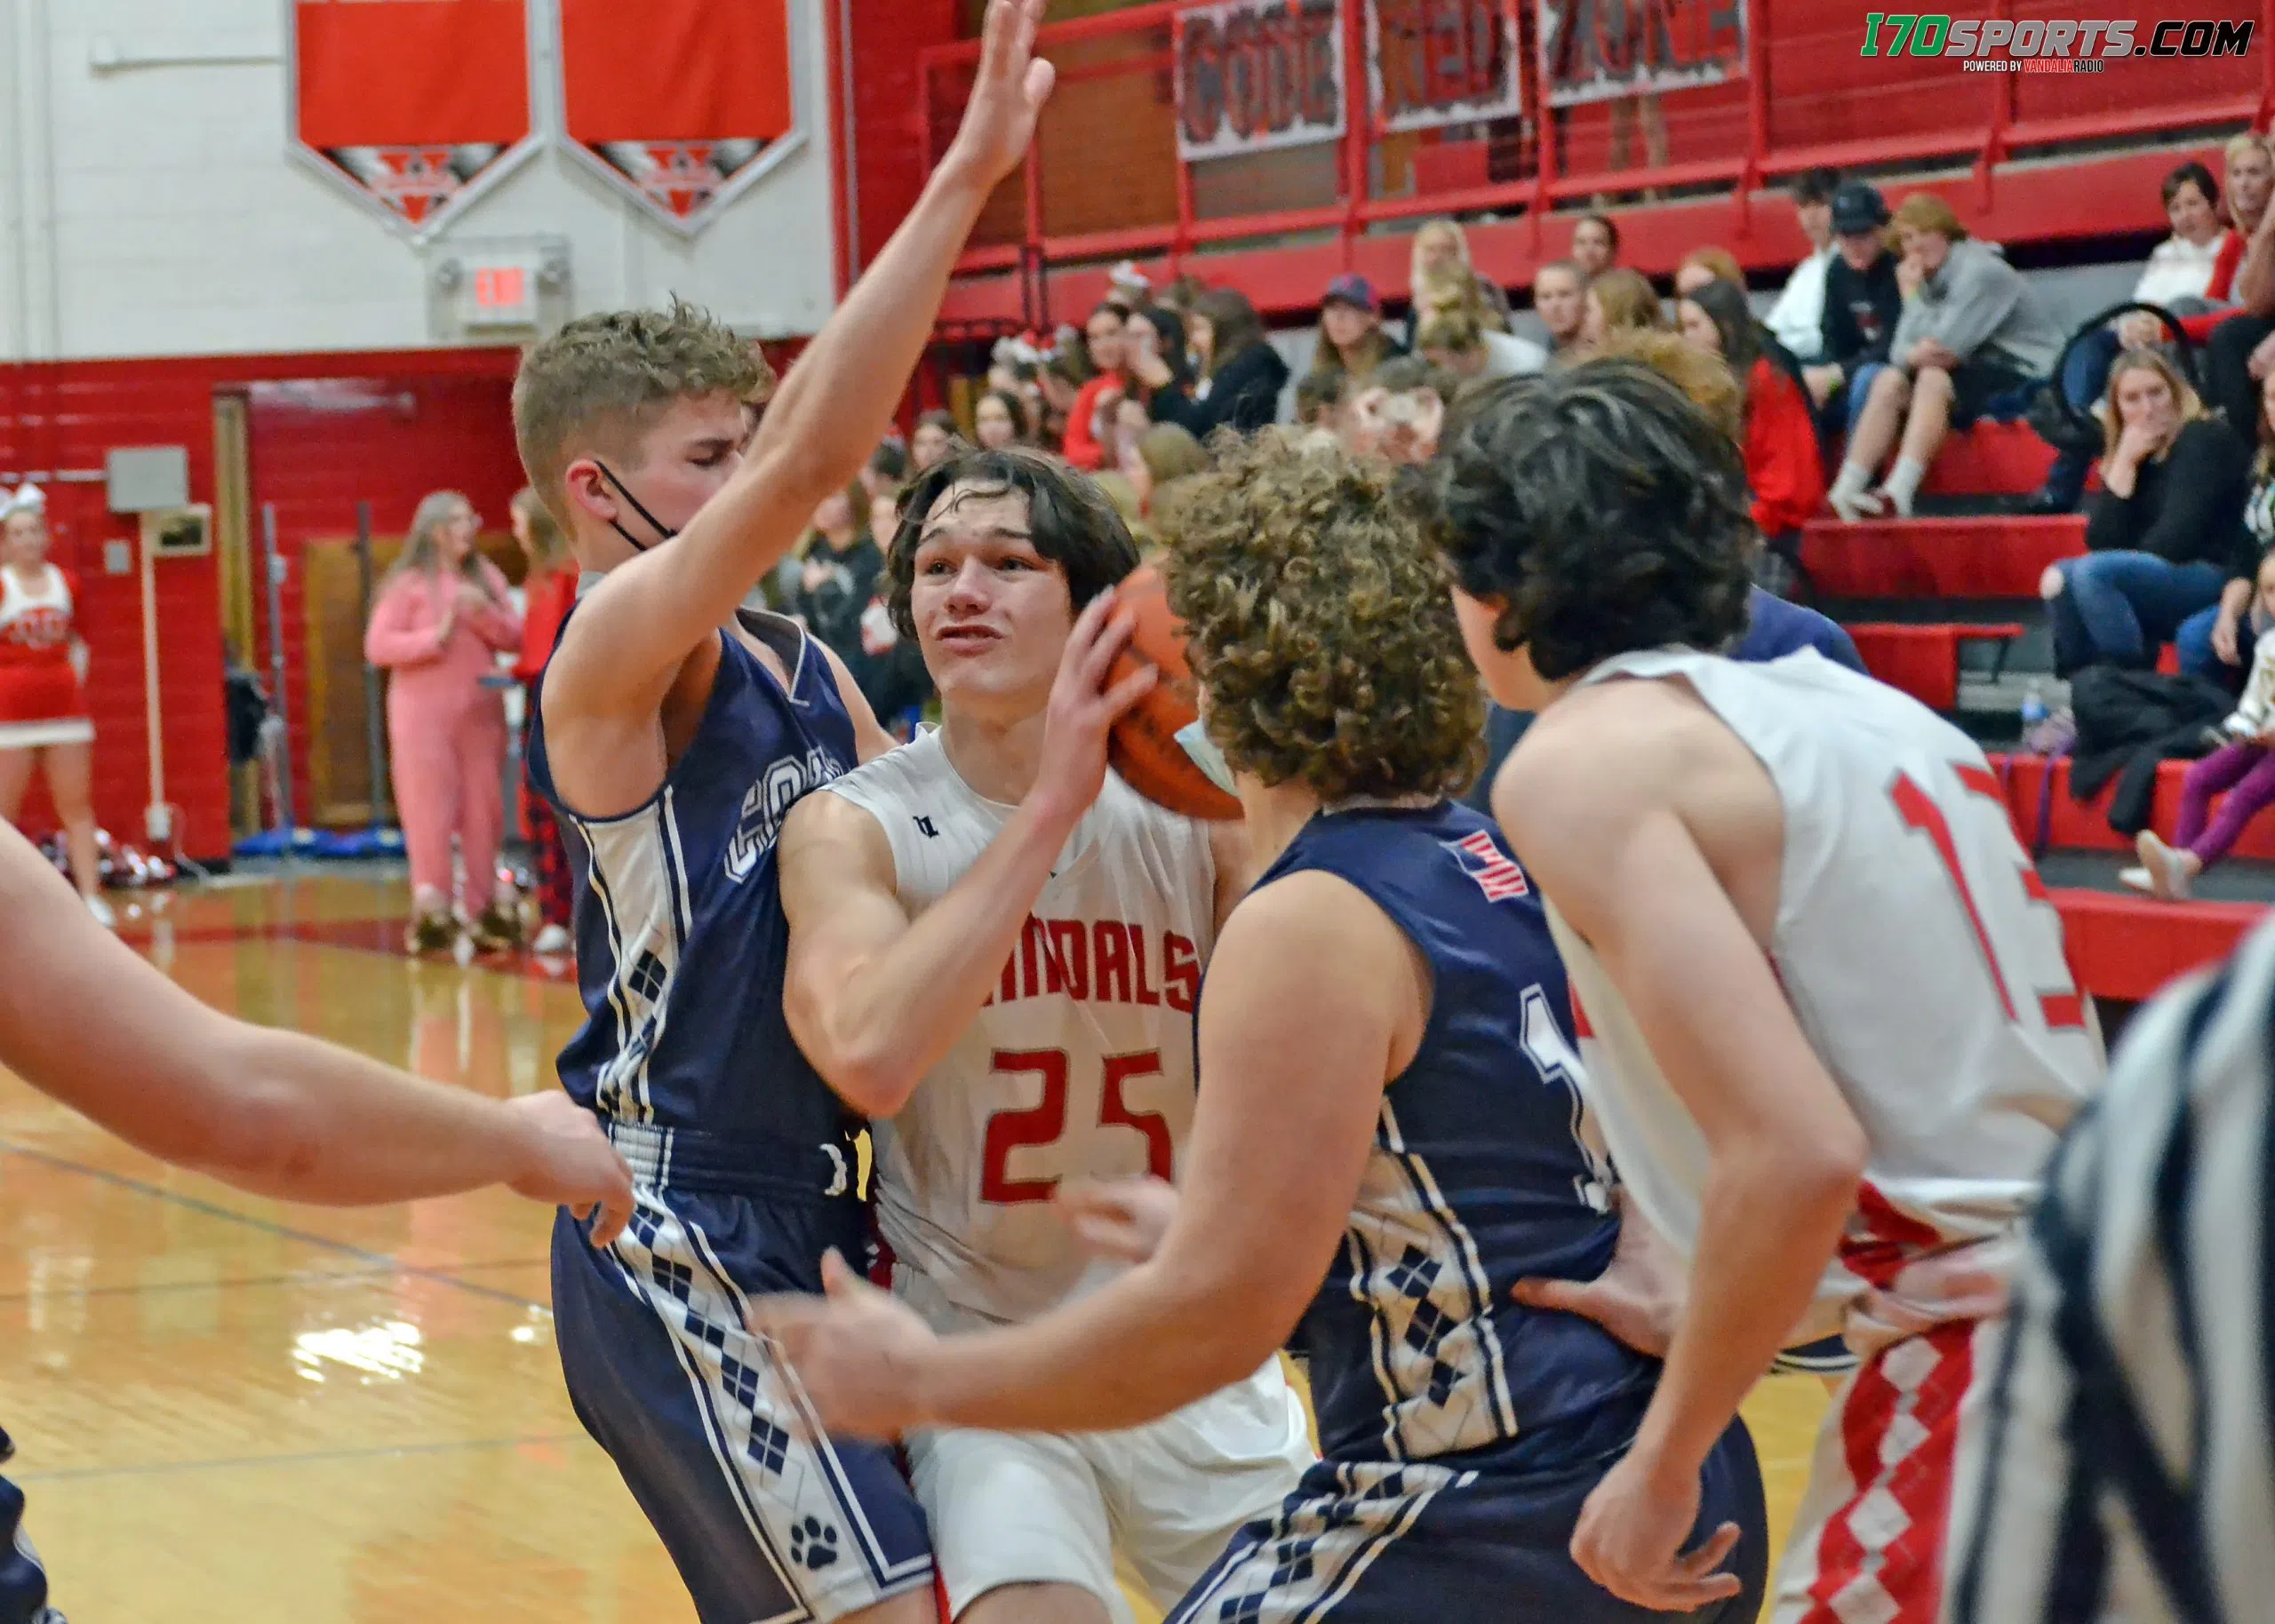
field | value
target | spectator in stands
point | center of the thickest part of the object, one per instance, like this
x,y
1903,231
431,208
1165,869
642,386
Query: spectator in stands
x,y
2242,769
1402,411
2214,643
837,576
935,432
2240,351
442,617
1595,245
1000,419
1971,342
1619,299
1442,278
1783,469
1158,458
1352,337
1241,375
1454,340
2180,275
1322,398
44,723
1863,302
1797,320
1560,299
1162,333
548,592
2165,533
1108,347
1060,383
891,671
887,467
1702,265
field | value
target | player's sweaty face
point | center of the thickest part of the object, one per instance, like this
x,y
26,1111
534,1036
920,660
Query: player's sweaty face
x,y
692,450
991,613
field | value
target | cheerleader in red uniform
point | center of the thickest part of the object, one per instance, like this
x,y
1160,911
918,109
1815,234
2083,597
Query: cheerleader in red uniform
x,y
43,706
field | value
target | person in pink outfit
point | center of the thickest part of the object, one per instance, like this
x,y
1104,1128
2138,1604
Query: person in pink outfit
x,y
441,619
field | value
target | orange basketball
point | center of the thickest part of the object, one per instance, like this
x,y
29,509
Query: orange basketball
x,y
1143,747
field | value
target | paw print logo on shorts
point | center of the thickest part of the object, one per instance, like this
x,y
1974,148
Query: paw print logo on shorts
x,y
813,1542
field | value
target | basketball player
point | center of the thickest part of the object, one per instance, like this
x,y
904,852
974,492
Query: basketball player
x,y
1839,1034
672,749
86,1019
1388,1135
1001,843
2124,1467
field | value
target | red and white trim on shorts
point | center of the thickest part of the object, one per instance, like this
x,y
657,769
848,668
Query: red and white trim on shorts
x,y
1868,1547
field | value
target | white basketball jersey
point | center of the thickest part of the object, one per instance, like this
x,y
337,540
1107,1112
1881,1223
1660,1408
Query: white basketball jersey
x,y
1917,946
1081,1063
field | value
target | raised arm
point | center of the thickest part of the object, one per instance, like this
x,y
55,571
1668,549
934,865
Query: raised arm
x,y
629,639
874,998
2254,284
87,1021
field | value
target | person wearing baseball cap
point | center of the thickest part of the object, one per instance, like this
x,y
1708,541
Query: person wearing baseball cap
x,y
1862,302
1351,338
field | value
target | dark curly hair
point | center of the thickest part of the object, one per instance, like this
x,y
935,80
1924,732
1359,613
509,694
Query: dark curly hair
x,y
1319,624
1071,522
1602,511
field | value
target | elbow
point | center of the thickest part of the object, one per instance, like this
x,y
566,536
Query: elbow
x,y
1824,1172
257,1131
868,1074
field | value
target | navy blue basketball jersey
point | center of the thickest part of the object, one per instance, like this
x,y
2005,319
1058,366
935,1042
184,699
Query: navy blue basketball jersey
x,y
681,940
1481,1175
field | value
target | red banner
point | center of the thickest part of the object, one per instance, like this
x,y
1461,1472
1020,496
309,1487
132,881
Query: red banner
x,y
677,101
411,102
1436,62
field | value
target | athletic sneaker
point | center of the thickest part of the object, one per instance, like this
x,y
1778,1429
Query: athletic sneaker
x,y
2137,880
497,929
101,910
431,932
551,941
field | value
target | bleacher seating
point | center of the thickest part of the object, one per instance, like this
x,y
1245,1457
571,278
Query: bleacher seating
x,y
1923,660
1991,556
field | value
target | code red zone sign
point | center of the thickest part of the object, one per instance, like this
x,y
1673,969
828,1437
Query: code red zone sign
x,y
1253,75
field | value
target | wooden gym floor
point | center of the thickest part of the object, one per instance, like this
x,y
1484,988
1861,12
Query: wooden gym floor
x,y
227,1409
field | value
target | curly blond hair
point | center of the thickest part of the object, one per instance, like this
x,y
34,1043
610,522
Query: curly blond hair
x,y
1320,625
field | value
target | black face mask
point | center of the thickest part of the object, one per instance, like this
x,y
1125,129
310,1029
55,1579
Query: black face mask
x,y
622,489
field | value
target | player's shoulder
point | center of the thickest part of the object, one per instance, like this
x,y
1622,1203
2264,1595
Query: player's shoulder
x,y
1601,743
901,774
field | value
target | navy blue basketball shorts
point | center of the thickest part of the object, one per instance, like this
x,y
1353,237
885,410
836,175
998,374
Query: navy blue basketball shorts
x,y
23,1581
1390,1542
710,1430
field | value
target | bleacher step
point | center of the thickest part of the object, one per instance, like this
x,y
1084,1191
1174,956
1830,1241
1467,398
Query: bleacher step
x,y
1991,556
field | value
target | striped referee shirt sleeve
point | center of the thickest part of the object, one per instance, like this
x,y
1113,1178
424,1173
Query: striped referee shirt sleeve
x,y
2117,1460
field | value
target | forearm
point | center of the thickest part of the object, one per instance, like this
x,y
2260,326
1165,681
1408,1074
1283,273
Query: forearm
x,y
1769,1224
1071,1370
895,1012
391,642
304,1120
1974,311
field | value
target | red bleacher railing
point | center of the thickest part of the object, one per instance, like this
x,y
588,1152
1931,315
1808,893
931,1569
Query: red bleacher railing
x,y
1107,180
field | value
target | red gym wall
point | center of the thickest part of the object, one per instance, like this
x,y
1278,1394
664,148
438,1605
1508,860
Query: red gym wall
x,y
446,423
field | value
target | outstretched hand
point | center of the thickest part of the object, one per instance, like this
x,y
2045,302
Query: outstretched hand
x,y
1007,99
1086,701
857,1352
572,1164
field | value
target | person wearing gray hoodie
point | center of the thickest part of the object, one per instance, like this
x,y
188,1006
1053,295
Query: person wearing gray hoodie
x,y
1972,339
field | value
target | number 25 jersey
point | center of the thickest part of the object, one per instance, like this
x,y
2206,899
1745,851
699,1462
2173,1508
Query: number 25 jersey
x,y
1082,1063
1918,949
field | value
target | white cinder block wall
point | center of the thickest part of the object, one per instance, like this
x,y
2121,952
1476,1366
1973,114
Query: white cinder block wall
x,y
153,211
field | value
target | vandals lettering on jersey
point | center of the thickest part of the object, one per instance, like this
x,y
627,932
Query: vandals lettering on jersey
x,y
787,781
1496,871
1101,961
